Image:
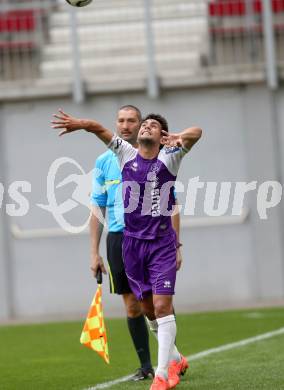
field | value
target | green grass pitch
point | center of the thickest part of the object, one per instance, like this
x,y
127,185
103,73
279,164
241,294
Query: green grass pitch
x,y
49,356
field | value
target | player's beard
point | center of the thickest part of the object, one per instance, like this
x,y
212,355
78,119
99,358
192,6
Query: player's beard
x,y
147,142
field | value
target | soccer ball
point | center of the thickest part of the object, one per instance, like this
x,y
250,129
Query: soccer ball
x,y
79,3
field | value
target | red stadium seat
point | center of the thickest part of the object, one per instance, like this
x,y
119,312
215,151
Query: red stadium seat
x,y
17,21
238,7
222,11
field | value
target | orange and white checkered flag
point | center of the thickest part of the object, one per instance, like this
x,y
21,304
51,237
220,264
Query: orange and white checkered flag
x,y
94,332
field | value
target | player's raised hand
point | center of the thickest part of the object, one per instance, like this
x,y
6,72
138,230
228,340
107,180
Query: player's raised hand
x,y
66,122
171,139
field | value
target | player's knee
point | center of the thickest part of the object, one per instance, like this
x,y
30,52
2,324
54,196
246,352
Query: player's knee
x,y
133,307
162,308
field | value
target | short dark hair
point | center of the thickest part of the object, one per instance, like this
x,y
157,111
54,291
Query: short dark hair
x,y
134,108
159,118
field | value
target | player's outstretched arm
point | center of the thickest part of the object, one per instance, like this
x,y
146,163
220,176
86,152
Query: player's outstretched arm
x,y
69,124
186,138
190,136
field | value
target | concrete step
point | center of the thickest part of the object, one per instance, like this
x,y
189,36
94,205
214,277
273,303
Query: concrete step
x,y
113,44
108,66
135,79
124,31
121,48
125,81
96,15
128,4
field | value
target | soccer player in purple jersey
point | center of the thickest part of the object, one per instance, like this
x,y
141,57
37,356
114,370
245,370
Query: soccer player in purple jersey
x,y
149,245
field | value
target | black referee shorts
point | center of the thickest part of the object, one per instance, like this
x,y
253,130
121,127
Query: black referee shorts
x,y
117,276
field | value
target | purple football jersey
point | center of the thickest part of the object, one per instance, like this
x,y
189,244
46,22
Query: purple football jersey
x,y
148,189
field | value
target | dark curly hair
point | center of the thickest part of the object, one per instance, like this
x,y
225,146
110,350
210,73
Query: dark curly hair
x,y
159,118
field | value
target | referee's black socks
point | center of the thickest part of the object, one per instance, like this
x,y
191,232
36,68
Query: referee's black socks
x,y
140,336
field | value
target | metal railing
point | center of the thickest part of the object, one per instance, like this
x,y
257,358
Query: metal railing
x,y
236,32
24,30
189,42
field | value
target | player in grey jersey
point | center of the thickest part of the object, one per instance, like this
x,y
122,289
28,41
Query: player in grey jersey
x,y
149,174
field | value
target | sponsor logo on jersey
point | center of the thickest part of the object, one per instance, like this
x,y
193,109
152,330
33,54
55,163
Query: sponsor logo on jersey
x,y
151,176
154,168
155,194
172,149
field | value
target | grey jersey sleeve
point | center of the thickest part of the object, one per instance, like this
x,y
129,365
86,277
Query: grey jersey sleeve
x,y
172,157
123,150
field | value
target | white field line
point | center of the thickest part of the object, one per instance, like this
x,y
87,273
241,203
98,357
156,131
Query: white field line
x,y
201,355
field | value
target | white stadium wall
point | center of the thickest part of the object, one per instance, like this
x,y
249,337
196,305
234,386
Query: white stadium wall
x,y
229,261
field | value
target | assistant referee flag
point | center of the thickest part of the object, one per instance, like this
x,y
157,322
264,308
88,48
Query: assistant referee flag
x,y
94,332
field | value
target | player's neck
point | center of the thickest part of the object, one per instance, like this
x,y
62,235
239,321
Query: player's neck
x,y
134,144
148,152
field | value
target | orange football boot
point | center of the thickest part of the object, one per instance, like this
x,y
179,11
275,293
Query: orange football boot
x,y
159,383
176,369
